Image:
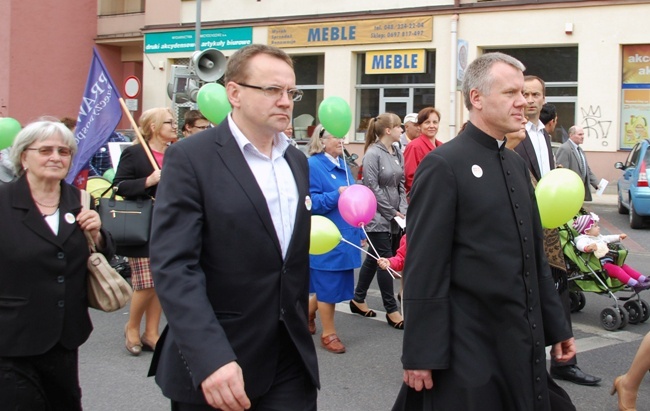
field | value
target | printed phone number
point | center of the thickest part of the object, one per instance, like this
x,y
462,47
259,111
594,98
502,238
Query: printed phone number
x,y
401,26
410,33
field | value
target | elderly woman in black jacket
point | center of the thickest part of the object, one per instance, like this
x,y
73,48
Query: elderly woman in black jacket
x,y
43,281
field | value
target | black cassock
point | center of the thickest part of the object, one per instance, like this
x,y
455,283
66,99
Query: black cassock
x,y
480,304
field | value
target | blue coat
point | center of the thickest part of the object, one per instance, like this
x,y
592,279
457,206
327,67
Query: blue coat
x,y
325,178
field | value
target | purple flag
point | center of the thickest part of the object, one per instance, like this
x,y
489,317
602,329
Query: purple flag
x,y
99,114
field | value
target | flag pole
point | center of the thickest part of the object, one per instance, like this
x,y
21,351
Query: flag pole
x,y
141,139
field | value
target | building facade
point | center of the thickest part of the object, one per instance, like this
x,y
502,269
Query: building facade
x,y
593,55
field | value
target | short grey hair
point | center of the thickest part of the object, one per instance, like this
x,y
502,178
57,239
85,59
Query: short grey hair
x,y
478,75
39,131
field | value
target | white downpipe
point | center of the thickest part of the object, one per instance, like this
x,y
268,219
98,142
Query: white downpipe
x,y
452,76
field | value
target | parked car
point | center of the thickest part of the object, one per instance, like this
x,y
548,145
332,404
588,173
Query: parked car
x,y
633,190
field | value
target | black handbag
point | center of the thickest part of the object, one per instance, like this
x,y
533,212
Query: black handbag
x,y
128,221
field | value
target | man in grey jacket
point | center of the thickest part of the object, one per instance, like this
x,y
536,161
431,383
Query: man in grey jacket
x,y
571,156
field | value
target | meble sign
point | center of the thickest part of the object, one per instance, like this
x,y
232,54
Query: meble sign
x,y
375,31
395,61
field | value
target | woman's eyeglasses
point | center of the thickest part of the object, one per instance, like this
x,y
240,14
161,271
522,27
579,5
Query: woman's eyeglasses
x,y
48,150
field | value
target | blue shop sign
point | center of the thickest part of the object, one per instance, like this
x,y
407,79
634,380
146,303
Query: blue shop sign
x,y
183,41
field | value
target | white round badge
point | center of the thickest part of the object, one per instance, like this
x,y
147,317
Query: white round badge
x,y
69,218
308,203
477,171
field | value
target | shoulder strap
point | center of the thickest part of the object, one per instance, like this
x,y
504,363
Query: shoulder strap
x,y
85,205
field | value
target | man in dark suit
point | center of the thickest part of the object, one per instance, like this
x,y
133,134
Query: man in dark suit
x,y
536,147
571,156
229,252
536,151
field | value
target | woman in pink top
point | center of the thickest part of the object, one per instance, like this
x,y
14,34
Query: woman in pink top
x,y
428,121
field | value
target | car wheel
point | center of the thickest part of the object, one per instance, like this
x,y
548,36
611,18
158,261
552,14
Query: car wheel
x,y
636,221
621,208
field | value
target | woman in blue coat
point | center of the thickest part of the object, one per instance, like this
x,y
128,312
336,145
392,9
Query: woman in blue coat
x,y
332,274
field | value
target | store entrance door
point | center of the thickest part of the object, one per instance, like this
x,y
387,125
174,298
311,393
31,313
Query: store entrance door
x,y
401,105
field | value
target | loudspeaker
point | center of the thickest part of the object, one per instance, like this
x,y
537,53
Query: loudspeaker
x,y
209,65
182,88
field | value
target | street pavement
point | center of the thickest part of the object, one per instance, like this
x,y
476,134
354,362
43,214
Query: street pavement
x,y
368,376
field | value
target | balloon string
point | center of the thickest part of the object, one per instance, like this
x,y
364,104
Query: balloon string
x,y
345,163
392,272
359,248
363,227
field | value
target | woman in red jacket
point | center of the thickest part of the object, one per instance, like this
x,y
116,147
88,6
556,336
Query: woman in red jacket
x,y
428,121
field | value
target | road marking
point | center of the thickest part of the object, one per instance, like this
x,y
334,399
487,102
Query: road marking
x,y
601,338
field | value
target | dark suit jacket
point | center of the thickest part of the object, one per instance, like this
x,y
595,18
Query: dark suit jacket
x,y
219,272
526,150
567,155
130,178
43,288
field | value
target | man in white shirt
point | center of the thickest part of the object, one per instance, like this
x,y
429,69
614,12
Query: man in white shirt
x,y
536,147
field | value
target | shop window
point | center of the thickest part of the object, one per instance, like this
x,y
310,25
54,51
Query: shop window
x,y
558,67
401,93
309,78
114,7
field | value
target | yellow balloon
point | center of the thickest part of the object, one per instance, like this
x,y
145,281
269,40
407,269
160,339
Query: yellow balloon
x,y
324,235
560,194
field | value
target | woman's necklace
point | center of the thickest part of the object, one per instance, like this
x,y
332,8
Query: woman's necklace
x,y
51,214
45,205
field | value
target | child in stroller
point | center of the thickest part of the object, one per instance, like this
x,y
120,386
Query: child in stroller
x,y
591,241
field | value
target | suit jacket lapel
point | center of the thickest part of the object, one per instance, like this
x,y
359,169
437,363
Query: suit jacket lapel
x,y
70,204
532,157
302,182
234,160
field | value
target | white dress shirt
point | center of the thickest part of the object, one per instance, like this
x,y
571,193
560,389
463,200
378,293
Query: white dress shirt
x,y
537,137
276,181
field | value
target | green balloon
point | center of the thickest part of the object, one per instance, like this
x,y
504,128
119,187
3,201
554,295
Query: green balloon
x,y
560,194
109,174
9,128
324,235
335,115
213,102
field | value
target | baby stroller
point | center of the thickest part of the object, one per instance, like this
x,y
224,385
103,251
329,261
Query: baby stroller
x,y
586,274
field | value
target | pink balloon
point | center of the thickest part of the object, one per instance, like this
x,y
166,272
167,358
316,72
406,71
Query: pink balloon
x,y
357,205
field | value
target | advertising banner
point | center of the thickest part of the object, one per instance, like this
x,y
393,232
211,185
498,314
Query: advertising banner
x,y
394,30
635,98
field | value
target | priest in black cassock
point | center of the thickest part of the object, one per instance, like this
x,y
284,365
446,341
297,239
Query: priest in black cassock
x,y
480,303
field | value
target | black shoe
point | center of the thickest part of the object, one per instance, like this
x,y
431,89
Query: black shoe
x,y
573,374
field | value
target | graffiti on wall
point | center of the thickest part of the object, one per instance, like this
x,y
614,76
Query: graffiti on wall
x,y
595,126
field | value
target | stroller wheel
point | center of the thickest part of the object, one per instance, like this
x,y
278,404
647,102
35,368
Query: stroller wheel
x,y
582,300
645,307
634,311
610,318
625,317
578,300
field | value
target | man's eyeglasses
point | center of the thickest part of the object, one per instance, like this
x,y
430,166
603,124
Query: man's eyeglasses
x,y
46,151
277,91
201,127
171,123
